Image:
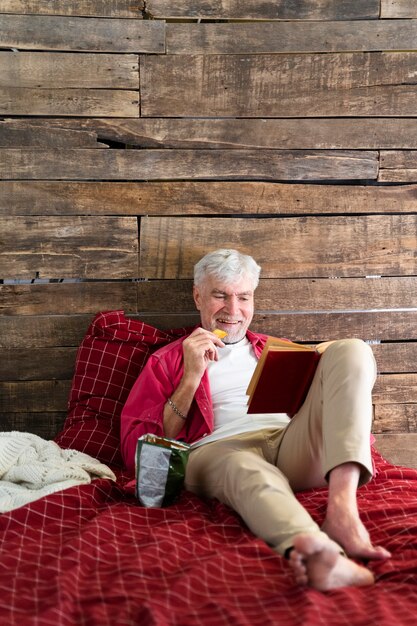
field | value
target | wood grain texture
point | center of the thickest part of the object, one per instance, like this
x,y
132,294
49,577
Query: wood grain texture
x,y
52,395
58,363
34,396
46,425
292,247
398,166
289,85
47,70
395,389
99,8
40,32
297,295
14,135
68,102
73,298
398,176
396,357
278,37
266,9
37,364
307,327
187,164
80,247
399,9
301,295
398,449
283,134
397,159
395,418
212,198
42,331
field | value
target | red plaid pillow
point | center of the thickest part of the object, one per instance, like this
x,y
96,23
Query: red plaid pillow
x,y
109,359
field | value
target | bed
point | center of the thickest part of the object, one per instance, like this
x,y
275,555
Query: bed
x,y
90,554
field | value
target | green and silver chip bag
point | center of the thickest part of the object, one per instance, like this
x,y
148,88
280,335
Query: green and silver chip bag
x,y
160,469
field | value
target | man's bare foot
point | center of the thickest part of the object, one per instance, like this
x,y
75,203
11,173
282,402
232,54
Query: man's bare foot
x,y
316,561
349,532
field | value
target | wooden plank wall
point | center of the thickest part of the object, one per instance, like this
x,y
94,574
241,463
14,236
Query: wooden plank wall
x,y
136,136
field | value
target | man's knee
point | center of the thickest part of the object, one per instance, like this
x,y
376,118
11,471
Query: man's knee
x,y
355,353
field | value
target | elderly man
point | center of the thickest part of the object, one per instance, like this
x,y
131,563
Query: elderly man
x,y
194,389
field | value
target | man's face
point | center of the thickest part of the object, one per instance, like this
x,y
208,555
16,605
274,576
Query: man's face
x,y
225,306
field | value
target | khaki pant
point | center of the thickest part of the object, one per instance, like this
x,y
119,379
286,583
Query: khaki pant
x,y
257,473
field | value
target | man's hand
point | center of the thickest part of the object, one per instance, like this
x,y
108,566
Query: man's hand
x,y
199,349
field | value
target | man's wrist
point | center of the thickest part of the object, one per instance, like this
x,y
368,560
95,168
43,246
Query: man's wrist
x,y
176,409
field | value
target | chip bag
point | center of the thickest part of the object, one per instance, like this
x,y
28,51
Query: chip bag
x,y
160,469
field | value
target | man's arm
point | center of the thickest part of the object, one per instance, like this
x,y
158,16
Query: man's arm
x,y
198,349
147,409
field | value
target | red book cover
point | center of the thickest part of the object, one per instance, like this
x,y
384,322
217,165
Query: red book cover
x,y
281,382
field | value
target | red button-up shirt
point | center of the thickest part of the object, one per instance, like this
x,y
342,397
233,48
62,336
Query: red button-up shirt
x,y
144,408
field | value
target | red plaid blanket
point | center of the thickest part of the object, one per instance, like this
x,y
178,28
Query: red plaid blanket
x,y
91,555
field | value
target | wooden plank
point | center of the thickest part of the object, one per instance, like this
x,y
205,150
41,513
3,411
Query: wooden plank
x,y
21,396
78,102
395,389
397,159
201,198
182,164
98,8
266,10
284,85
308,327
278,37
343,295
398,449
398,9
396,357
61,247
301,295
398,166
398,176
312,328
14,135
73,298
283,134
37,364
45,425
35,32
34,396
285,248
46,70
58,363
395,418
42,331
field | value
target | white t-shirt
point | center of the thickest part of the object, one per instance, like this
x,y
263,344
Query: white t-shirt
x,y
229,378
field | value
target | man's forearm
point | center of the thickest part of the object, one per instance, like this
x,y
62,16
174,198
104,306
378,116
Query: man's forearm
x,y
177,408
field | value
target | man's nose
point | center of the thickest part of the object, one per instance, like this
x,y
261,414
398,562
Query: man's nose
x,y
232,306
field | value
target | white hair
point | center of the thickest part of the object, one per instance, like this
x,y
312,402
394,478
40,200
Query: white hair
x,y
228,266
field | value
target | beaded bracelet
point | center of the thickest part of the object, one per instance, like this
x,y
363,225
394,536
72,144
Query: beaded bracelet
x,y
176,409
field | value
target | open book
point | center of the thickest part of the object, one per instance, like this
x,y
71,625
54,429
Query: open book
x,y
282,377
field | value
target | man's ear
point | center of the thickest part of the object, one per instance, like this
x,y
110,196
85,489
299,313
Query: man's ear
x,y
197,297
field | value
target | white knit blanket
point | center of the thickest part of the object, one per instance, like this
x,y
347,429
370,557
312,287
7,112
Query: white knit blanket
x,y
31,467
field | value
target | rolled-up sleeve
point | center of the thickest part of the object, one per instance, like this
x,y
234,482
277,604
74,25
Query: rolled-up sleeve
x,y
143,411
